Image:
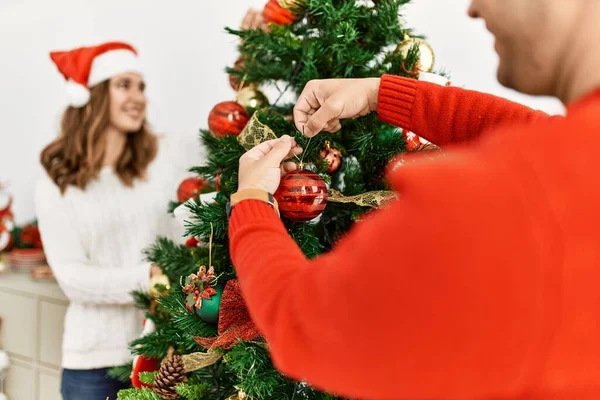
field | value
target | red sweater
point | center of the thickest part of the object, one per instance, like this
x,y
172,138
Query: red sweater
x,y
481,282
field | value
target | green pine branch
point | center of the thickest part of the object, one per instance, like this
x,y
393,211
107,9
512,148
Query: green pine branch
x,y
135,394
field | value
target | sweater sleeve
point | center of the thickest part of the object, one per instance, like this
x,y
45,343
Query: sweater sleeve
x,y
420,300
446,115
81,280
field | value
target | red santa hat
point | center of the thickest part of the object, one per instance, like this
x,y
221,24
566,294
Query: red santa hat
x,y
85,67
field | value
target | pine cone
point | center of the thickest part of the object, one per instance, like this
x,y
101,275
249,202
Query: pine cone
x,y
170,374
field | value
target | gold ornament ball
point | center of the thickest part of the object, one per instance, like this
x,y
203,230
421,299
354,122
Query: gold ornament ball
x,y
161,279
251,97
292,4
426,53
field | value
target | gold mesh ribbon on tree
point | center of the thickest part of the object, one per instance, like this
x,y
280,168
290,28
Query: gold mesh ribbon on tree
x,y
255,133
377,199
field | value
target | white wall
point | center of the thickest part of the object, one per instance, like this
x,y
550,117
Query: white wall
x,y
185,50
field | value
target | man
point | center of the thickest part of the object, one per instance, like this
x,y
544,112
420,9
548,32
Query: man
x,y
481,281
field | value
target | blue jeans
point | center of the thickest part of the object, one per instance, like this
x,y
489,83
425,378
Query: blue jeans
x,y
91,384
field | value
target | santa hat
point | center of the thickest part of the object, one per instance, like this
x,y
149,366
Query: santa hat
x,y
86,67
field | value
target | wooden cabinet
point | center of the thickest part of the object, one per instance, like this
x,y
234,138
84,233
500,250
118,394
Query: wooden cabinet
x,y
33,316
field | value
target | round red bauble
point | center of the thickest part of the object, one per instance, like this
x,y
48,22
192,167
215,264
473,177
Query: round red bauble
x,y
302,195
412,141
333,158
190,188
274,13
191,242
226,118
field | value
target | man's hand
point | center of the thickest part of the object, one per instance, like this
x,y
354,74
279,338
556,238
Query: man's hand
x,y
261,167
323,103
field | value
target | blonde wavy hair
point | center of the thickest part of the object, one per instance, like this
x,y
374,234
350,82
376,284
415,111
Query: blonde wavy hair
x,y
75,157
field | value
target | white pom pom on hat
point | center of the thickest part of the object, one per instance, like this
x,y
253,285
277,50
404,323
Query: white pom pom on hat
x,y
86,67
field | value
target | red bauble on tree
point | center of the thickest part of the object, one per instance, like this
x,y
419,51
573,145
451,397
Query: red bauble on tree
x,y
191,243
274,13
190,188
227,118
413,142
333,157
302,195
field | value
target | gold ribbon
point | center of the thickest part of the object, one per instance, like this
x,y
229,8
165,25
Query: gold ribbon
x,y
255,133
196,361
377,199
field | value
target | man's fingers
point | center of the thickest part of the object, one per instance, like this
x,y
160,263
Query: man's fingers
x,y
296,151
279,151
320,119
288,167
261,150
333,126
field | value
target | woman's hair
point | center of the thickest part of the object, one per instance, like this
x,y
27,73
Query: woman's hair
x,y
76,157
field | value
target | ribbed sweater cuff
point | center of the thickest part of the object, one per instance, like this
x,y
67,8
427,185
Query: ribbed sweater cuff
x,y
396,100
251,211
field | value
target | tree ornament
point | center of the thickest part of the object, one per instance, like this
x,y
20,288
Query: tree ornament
x,y
227,118
192,242
426,53
203,294
251,97
333,157
234,80
159,285
412,140
274,13
301,196
241,395
170,374
211,307
190,188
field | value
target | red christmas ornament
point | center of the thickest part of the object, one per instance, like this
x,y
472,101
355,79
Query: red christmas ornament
x,y
333,157
30,236
302,195
226,118
190,188
143,364
413,142
191,243
234,80
274,13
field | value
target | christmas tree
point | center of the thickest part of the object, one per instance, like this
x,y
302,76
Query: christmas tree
x,y
204,339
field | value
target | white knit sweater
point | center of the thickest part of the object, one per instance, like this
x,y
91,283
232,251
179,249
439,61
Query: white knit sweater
x,y
93,240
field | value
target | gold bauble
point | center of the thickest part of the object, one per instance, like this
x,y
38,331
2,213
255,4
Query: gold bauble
x,y
161,279
292,4
240,396
426,53
251,97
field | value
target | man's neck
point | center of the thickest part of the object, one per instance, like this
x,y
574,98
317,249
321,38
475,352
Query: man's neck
x,y
581,75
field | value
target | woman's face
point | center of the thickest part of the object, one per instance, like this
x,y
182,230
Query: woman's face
x,y
127,102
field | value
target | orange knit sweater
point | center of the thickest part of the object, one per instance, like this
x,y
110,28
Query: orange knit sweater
x,y
481,282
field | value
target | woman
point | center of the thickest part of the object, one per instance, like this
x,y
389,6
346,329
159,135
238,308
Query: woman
x,y
102,202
